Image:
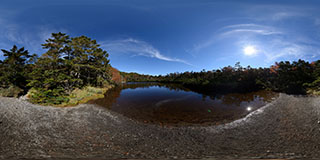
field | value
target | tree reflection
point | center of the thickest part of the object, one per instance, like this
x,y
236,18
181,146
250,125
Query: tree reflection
x,y
173,105
238,98
110,97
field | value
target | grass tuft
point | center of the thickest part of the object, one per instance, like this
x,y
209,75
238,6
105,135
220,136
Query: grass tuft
x,y
12,91
79,96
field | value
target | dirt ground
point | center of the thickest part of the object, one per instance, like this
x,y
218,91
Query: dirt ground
x,y
287,128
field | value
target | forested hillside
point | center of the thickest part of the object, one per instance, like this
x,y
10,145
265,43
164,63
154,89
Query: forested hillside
x,y
298,77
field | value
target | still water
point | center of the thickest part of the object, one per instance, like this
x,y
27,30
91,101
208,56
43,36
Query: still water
x,y
171,104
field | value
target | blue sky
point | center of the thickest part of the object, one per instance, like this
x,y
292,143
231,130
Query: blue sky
x,y
163,36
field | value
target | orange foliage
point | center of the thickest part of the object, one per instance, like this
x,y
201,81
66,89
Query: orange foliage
x,y
274,68
116,77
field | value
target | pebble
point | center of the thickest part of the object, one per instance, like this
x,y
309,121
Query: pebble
x,y
157,139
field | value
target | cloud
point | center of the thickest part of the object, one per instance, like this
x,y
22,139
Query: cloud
x,y
277,12
245,25
285,15
14,33
31,39
253,31
273,43
237,30
138,48
280,50
249,28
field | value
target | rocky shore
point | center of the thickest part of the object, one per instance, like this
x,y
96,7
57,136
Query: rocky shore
x,y
286,128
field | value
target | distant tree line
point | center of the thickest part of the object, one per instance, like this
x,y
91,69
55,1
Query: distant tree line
x,y
297,77
72,63
68,63
136,77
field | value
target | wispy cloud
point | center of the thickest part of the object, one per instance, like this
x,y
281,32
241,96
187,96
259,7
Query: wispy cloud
x,y
31,39
253,31
277,12
245,25
249,28
285,15
239,30
138,48
266,28
279,50
17,34
273,43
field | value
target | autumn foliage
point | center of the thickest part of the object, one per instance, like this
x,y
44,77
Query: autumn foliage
x,y
115,75
295,77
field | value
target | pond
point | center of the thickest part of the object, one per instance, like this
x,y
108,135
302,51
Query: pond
x,y
172,104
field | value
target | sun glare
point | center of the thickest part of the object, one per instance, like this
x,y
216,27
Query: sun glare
x,y
249,50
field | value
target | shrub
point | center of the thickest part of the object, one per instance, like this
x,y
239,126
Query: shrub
x,y
11,91
47,96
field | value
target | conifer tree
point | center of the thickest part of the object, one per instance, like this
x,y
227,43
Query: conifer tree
x,y
68,64
13,67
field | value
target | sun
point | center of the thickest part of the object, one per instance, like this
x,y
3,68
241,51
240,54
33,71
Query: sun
x,y
249,50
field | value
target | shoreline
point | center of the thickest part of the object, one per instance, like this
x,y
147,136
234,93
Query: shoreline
x,y
91,93
287,128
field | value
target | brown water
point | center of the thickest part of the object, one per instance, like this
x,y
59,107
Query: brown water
x,y
170,104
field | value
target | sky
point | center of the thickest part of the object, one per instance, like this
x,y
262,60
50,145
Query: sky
x,y
165,36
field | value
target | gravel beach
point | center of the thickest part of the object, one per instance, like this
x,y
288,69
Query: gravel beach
x,y
286,128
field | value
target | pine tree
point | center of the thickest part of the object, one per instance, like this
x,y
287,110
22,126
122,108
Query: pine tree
x,y
90,62
13,67
68,64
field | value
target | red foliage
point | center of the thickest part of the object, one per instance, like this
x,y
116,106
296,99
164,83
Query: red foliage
x,y
274,68
116,77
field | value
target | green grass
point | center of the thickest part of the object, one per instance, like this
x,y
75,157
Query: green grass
x,y
79,96
12,91
313,92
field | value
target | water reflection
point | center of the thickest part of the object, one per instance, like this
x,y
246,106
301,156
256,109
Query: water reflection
x,y
172,104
